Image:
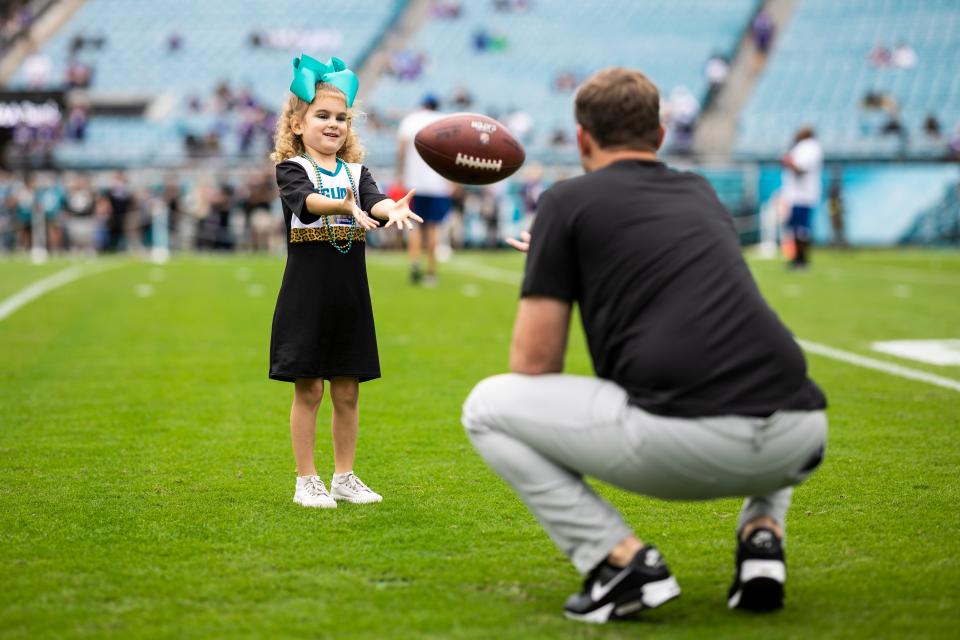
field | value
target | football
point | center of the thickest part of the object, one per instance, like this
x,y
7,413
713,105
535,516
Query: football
x,y
469,148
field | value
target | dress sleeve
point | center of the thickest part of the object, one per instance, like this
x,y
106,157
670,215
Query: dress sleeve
x,y
295,186
551,268
369,190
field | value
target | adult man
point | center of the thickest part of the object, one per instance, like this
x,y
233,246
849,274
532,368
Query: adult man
x,y
432,201
700,392
802,178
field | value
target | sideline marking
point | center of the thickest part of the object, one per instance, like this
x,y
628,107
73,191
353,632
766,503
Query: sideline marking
x,y
941,352
879,365
23,297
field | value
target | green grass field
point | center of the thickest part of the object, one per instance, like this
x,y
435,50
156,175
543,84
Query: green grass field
x,y
146,476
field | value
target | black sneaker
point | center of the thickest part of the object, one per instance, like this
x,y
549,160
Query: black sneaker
x,y
416,275
612,593
761,572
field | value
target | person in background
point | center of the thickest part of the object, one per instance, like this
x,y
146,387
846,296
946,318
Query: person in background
x,y
836,208
802,176
432,201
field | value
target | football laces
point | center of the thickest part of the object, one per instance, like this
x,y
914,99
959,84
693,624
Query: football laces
x,y
478,163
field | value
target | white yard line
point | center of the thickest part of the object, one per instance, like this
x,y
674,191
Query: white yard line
x,y
485,272
921,277
30,293
879,365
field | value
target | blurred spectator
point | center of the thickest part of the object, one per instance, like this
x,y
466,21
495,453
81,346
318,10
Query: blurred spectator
x,y
894,126
77,119
78,74
485,40
38,70
519,123
953,146
879,56
681,111
222,97
406,64
462,98
762,30
564,81
802,169
81,222
81,41
446,9
530,190
903,56
931,127
558,138
174,42
835,208
121,203
511,6
716,71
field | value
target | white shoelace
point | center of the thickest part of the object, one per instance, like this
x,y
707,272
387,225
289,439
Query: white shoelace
x,y
355,484
314,487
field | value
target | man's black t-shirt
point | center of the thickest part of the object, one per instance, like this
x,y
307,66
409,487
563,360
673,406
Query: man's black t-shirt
x,y
669,307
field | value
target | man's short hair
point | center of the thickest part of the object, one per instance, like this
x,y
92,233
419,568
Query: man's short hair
x,y
620,108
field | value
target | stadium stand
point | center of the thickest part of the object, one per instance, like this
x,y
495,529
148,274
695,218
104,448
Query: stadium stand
x,y
836,66
516,56
180,50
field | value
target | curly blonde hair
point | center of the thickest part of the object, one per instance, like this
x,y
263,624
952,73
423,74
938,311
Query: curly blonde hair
x,y
288,144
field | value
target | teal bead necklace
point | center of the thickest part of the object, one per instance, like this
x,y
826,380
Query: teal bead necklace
x,y
326,219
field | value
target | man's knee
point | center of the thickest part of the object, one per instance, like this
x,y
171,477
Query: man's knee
x,y
482,406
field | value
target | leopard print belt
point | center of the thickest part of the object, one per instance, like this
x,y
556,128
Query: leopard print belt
x,y
319,234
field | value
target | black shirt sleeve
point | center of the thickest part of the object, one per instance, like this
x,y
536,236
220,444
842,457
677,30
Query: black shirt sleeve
x,y
551,269
368,190
295,186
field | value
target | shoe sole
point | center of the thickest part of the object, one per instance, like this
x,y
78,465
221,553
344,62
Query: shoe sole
x,y
761,586
356,501
316,506
761,594
650,596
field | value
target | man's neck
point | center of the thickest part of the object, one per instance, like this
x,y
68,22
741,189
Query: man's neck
x,y
604,157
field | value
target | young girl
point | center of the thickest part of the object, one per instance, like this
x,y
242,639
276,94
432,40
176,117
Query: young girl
x,y
323,323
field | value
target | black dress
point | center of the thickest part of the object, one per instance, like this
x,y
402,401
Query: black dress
x,y
323,322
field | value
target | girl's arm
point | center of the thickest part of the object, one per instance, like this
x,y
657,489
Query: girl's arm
x,y
320,205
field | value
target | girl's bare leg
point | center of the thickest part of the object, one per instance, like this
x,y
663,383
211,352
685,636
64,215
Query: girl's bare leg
x,y
345,393
307,394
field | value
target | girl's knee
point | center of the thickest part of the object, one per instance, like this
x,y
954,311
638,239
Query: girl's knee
x,y
309,391
345,393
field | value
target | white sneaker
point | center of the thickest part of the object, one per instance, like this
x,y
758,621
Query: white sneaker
x,y
312,493
351,488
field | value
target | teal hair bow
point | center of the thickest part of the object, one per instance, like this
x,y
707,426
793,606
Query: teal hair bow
x,y
307,72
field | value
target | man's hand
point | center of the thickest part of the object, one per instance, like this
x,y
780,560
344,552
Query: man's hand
x,y
349,207
523,244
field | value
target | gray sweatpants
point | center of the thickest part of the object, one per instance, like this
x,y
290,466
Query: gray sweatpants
x,y
542,434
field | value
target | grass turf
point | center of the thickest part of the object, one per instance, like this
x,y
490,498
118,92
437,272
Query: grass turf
x,y
146,477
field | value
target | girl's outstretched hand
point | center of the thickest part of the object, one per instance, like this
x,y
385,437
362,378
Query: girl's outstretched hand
x,y
350,206
401,214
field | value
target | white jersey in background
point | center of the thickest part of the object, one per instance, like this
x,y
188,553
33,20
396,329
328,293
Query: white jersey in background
x,y
804,189
417,173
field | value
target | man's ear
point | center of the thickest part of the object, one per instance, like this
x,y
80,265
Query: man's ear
x,y
663,133
584,141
